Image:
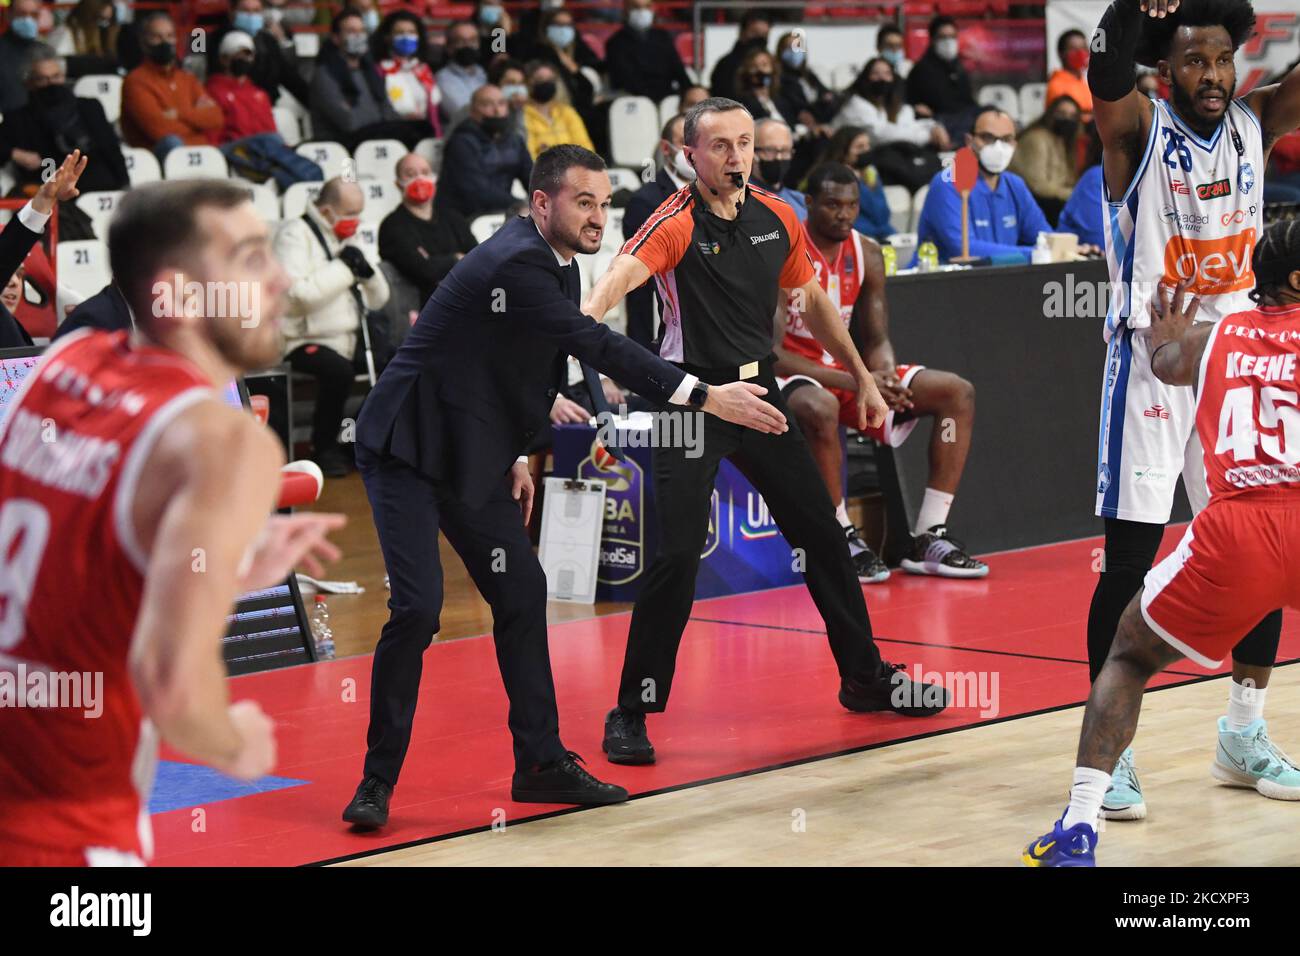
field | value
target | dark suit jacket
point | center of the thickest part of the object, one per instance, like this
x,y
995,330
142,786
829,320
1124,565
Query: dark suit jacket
x,y
29,128
640,302
474,380
105,310
16,240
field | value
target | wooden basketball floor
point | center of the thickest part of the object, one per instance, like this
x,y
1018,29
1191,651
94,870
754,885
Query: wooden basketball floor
x,y
758,763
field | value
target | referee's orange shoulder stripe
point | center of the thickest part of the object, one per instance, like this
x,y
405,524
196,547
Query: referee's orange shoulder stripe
x,y
670,208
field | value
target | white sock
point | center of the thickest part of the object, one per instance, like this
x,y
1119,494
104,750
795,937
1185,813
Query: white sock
x,y
842,512
934,510
1245,705
1089,790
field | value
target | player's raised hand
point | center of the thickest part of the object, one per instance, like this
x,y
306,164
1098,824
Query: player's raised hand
x,y
290,540
1158,8
1171,319
739,403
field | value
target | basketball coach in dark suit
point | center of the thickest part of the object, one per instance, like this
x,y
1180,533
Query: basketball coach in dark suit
x,y
438,447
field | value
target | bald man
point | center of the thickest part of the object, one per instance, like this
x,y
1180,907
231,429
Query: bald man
x,y
483,158
420,242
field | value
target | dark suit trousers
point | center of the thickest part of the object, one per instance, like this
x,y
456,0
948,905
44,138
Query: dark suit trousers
x,y
782,470
408,511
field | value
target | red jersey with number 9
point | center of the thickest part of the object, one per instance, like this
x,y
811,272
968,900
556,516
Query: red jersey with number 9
x,y
76,754
1248,409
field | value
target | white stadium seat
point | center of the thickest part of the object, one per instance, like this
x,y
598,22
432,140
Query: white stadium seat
x,y
195,162
286,124
99,206
266,201
104,87
431,149
141,165
1003,97
332,158
843,75
367,238
295,199
306,45
377,158
629,179
484,226
612,239
918,203
1033,100
633,130
83,266
382,197
900,207
668,108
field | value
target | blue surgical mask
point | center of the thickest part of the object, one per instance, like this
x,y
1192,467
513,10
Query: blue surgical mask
x,y
371,20
406,45
123,12
892,57
25,27
641,18
250,23
511,90
794,58
490,15
560,34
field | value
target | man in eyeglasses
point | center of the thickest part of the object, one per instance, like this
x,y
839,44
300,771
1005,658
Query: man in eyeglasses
x,y
773,151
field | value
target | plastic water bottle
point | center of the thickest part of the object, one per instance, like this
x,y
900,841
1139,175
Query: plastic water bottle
x,y
321,634
928,256
1042,253
890,255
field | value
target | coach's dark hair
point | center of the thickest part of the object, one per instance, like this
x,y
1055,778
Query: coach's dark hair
x,y
156,225
1235,16
1277,255
551,166
838,174
714,104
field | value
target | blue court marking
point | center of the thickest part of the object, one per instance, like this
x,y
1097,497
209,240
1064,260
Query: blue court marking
x,y
178,785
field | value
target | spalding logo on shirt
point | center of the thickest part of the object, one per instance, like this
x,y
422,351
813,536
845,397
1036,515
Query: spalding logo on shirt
x,y
1215,266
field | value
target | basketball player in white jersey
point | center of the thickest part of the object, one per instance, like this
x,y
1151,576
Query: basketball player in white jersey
x,y
1182,201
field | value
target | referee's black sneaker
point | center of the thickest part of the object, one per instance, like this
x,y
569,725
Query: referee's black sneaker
x,y
369,807
891,689
625,738
933,552
870,569
563,781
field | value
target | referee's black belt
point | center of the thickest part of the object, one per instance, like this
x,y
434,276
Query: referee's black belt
x,y
730,373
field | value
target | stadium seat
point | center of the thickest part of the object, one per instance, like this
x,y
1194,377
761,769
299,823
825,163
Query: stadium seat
x,y
633,130
377,158
900,207
141,165
842,76
306,45
266,201
918,203
104,87
286,124
99,206
612,238
333,158
83,266
1033,100
295,199
367,237
518,190
195,162
483,226
668,108
628,179
382,197
1003,97
431,149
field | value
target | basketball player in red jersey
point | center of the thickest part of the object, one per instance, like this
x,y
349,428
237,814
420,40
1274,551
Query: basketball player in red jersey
x,y
133,510
822,393
1238,558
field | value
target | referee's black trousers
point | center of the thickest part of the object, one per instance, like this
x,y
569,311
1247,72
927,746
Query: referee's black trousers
x,y
782,470
493,542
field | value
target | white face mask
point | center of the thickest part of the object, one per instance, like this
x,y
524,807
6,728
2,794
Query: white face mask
x,y
946,49
996,157
682,168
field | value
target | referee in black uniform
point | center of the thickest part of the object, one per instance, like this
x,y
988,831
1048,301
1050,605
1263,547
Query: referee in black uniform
x,y
722,251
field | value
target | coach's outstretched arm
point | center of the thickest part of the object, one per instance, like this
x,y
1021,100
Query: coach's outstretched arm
x,y
1177,340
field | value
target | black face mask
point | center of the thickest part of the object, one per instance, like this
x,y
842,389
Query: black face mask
x,y
773,171
53,97
465,56
760,81
161,53
878,89
860,161
494,125
544,92
1064,127
241,67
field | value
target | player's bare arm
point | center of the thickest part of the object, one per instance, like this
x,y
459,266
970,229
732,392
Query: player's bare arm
x,y
826,326
1177,340
789,363
1278,108
1123,115
870,324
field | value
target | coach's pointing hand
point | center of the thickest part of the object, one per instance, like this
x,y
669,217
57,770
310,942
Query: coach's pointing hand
x,y
739,402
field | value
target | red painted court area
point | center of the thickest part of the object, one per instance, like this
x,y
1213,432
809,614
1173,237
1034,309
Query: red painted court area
x,y
755,688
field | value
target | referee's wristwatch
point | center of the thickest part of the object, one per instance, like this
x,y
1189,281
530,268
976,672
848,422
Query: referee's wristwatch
x,y
699,394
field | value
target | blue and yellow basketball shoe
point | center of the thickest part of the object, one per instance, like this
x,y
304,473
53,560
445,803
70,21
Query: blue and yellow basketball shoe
x,y
1072,847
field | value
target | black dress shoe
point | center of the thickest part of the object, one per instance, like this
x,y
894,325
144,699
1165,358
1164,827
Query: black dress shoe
x,y
333,463
369,808
563,781
891,689
625,738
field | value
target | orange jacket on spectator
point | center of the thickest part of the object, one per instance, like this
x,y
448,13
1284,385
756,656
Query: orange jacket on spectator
x,y
1065,83
151,92
244,104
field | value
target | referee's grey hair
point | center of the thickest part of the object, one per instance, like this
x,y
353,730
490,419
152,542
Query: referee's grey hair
x,y
714,104
41,53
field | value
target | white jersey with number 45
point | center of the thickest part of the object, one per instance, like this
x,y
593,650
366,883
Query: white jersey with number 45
x,y
1191,212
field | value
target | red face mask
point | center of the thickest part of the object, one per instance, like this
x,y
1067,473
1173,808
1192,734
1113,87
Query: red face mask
x,y
419,190
346,228
1077,60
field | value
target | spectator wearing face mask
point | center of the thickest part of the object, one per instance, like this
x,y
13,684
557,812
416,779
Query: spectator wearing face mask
x,y
643,59
890,44
548,118
275,64
422,242
673,172
17,44
463,74
495,28
412,90
509,75
248,138
1068,79
759,84
90,38
560,44
334,284
483,159
805,96
939,83
1045,156
876,104
55,122
1004,219
163,105
851,145
755,26
773,153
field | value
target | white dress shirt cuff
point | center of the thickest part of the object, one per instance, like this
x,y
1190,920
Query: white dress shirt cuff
x,y
683,393
33,220
522,459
